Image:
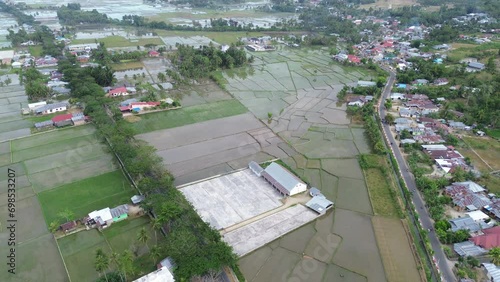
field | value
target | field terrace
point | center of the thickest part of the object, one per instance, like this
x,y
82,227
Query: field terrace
x,y
57,170
299,88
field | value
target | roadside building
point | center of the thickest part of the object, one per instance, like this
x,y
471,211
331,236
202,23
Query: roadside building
x,y
490,238
283,180
464,223
492,271
467,248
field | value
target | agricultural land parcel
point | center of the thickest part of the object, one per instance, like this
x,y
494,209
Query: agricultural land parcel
x,y
12,125
299,88
484,153
55,170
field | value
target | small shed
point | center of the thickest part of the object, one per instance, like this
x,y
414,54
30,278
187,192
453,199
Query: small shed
x,y
68,226
136,199
255,168
314,192
320,204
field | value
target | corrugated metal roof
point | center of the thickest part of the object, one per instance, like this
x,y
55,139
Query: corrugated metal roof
x,y
493,271
51,107
282,176
319,204
44,123
256,168
467,248
119,210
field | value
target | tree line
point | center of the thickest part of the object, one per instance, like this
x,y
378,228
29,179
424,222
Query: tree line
x,y
194,245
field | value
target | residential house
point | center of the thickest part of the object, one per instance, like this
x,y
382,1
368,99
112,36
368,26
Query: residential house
x,y
119,91
402,121
78,119
475,67
68,226
458,125
490,238
82,47
51,108
83,58
408,113
441,82
353,59
467,248
167,262
61,90
492,271
357,101
462,197
160,275
46,61
153,53
397,96
119,213
6,56
464,223
420,82
33,106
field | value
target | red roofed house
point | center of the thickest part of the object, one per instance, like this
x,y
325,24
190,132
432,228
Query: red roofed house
x,y
120,91
490,239
62,120
153,53
354,59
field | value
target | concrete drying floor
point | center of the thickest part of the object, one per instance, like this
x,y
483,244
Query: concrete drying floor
x,y
232,198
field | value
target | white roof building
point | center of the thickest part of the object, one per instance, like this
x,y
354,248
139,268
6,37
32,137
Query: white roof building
x,y
439,147
492,271
160,275
33,106
283,180
104,214
478,215
319,204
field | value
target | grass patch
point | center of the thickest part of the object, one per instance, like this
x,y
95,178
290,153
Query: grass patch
x,y
35,50
81,197
54,136
119,41
189,115
495,133
35,119
380,185
487,148
127,66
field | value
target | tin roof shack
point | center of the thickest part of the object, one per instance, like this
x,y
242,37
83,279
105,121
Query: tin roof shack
x,y
319,204
462,197
467,248
119,213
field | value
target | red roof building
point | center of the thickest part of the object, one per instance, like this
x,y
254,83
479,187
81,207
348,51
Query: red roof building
x,y
153,53
354,59
60,118
119,91
490,239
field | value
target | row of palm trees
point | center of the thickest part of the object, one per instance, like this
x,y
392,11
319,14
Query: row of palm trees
x,y
124,262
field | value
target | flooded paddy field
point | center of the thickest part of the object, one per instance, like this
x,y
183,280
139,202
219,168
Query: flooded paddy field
x,y
6,21
298,89
217,146
12,100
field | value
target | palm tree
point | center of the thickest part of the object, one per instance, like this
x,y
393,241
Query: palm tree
x,y
125,263
155,252
143,237
162,77
101,262
495,255
156,225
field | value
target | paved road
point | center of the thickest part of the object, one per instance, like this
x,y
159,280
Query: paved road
x,y
446,272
